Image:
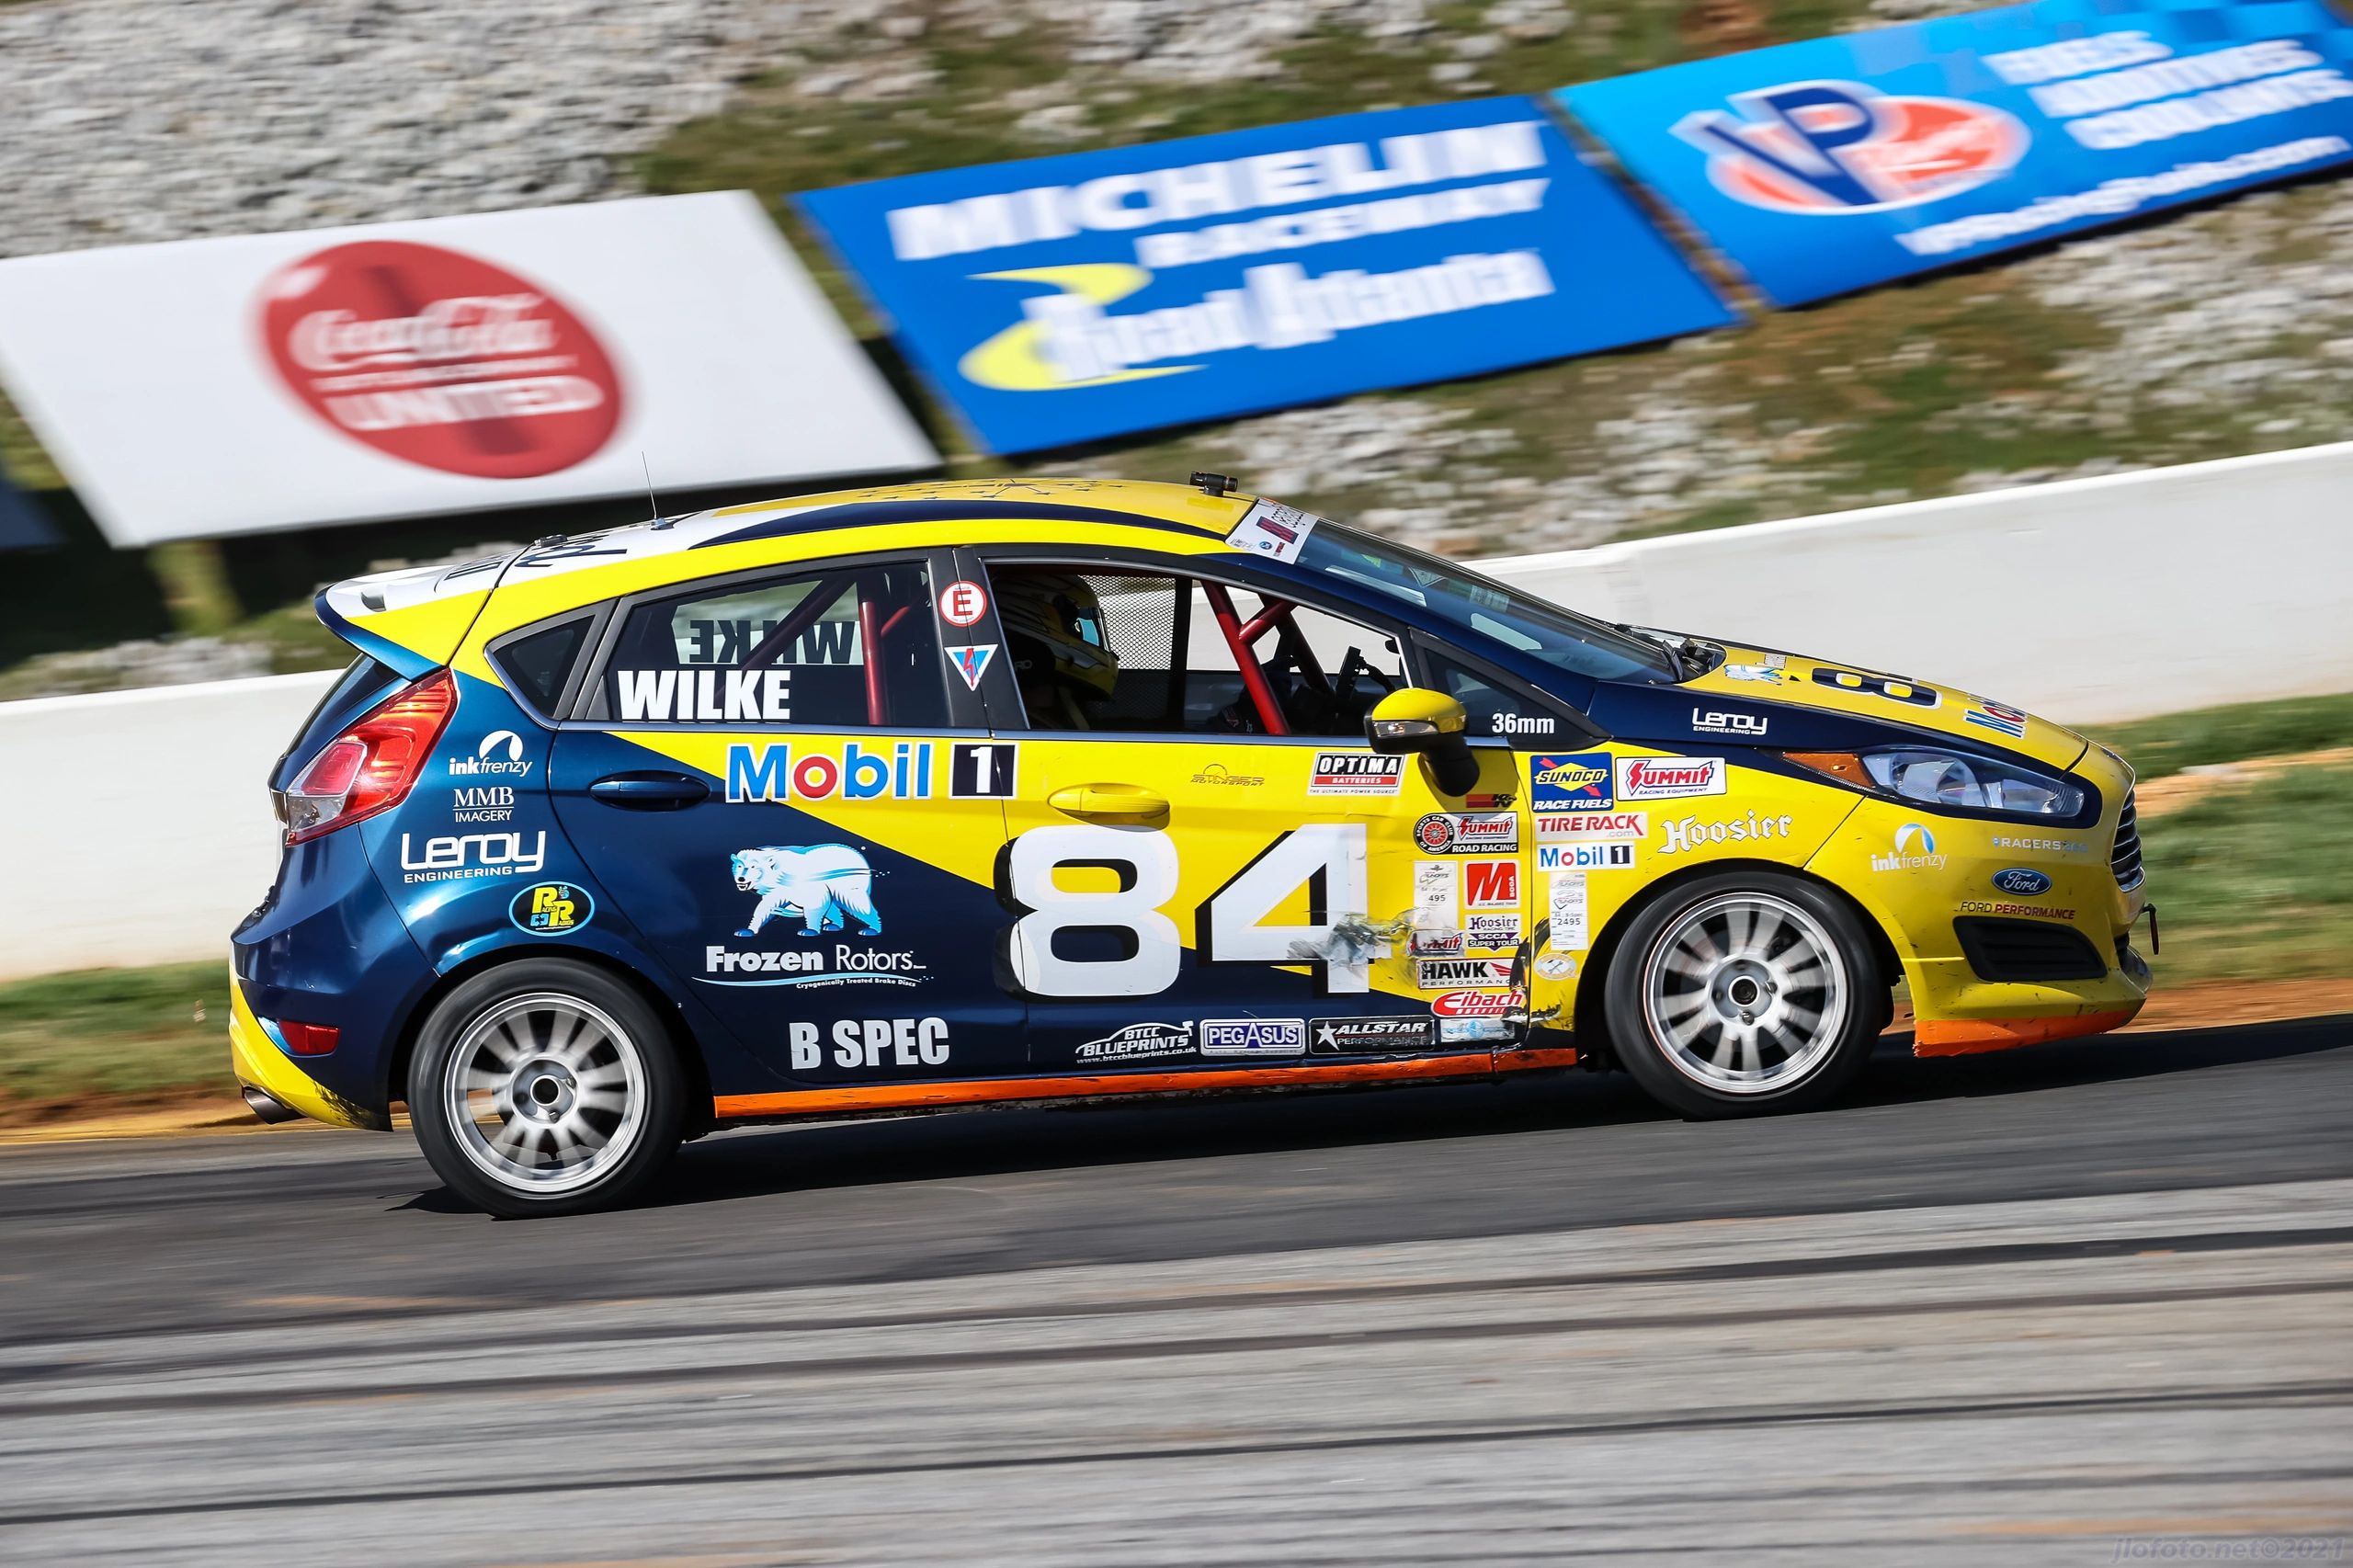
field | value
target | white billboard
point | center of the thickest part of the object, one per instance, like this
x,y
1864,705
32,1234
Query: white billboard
x,y
450,364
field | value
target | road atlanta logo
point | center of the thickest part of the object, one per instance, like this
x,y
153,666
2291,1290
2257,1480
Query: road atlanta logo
x,y
1829,147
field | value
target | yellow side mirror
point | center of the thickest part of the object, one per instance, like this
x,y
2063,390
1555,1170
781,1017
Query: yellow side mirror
x,y
1415,722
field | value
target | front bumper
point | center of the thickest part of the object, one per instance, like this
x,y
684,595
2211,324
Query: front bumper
x,y
1959,1011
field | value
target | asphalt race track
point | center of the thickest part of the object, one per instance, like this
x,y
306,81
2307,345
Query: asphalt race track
x,y
2002,1310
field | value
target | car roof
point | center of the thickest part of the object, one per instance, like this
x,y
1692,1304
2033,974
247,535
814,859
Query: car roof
x,y
425,613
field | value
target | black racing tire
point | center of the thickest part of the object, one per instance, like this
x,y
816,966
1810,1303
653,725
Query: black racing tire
x,y
545,1086
1745,992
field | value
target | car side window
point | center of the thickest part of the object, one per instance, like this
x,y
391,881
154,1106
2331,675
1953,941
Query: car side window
x,y
842,647
1496,712
1113,648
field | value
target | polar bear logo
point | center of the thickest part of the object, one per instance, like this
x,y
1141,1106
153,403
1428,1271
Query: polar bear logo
x,y
820,882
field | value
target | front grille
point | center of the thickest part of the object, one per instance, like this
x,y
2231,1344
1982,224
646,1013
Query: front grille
x,y
2125,858
2027,950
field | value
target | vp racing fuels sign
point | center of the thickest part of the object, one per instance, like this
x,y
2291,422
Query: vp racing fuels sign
x,y
1065,299
1839,162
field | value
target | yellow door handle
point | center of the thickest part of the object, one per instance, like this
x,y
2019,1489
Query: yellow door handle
x,y
1109,802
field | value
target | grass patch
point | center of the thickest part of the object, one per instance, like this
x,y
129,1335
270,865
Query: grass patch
x,y
2258,883
113,1039
2158,747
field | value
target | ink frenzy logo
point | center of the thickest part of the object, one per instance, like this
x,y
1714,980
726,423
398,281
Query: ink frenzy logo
x,y
441,358
1828,147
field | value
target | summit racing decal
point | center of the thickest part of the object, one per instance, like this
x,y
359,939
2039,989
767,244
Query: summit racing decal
x,y
1576,782
1838,147
1669,778
441,358
1356,773
1452,832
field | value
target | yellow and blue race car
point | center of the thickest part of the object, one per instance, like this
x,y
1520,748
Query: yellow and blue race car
x,y
931,795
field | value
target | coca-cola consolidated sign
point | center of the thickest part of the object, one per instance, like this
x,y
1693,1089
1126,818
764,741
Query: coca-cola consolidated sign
x,y
221,386
441,358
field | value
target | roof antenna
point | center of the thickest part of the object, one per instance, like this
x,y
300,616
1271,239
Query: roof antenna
x,y
651,504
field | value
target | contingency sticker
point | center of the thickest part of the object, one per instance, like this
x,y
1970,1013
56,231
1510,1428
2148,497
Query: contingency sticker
x,y
1273,529
1433,884
1568,901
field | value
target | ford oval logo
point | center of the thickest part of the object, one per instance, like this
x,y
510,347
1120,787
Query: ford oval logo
x,y
2025,883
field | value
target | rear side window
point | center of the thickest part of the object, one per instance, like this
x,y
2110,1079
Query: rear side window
x,y
846,647
536,666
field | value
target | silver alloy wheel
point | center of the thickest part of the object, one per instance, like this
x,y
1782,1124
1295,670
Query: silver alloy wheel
x,y
1745,994
545,1093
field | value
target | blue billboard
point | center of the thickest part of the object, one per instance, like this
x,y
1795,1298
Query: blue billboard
x,y
1833,164
1060,300
22,526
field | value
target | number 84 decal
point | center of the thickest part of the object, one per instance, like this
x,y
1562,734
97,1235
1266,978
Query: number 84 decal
x,y
1327,859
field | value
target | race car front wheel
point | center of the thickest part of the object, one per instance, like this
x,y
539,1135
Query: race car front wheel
x,y
545,1087
1745,992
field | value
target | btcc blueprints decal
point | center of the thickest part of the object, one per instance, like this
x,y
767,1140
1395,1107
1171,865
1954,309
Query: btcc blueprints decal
x,y
1139,1042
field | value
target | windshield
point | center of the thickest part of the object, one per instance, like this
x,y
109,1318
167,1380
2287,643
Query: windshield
x,y
1464,599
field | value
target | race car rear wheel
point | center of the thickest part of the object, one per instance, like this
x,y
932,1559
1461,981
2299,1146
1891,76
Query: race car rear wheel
x,y
1745,992
545,1087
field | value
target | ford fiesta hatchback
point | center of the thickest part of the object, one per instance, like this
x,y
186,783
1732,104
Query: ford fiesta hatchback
x,y
931,795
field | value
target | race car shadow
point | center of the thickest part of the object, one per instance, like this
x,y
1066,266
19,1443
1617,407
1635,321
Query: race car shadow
x,y
1897,1077
1109,1134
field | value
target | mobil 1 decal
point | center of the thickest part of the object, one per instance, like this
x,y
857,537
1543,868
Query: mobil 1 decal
x,y
790,773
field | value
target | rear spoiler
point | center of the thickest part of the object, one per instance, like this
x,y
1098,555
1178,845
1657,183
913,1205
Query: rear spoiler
x,y
411,621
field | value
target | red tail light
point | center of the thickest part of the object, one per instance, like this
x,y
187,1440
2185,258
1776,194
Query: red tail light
x,y
371,765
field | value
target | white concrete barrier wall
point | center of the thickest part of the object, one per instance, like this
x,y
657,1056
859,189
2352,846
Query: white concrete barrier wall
x,y
135,828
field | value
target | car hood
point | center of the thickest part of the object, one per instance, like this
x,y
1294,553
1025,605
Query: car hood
x,y
1792,700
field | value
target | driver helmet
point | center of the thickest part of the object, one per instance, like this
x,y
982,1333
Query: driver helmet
x,y
1054,621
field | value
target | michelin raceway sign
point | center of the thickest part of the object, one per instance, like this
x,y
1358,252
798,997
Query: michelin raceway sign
x,y
220,386
1060,300
1836,164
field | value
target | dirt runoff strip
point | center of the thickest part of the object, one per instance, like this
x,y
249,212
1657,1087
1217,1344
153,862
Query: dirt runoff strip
x,y
2213,1003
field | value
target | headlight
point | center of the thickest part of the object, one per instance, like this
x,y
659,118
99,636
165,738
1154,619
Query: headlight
x,y
1947,778
1971,783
